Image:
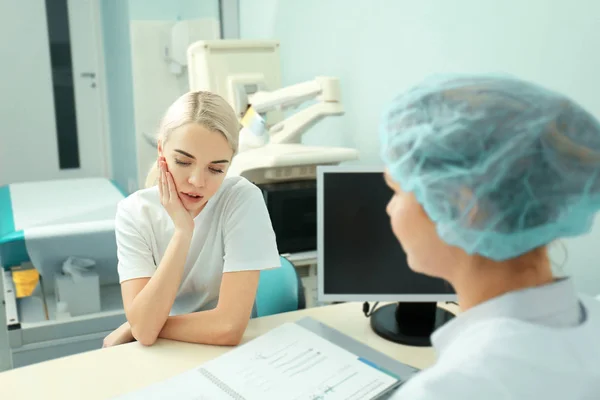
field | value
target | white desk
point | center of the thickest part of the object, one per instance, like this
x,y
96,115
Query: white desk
x,y
103,373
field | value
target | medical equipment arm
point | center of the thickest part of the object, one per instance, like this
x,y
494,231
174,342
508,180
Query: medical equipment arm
x,y
325,89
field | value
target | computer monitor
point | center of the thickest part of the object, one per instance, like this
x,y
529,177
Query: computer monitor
x,y
360,259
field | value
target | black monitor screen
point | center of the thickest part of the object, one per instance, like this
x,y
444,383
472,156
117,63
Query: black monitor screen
x,y
360,254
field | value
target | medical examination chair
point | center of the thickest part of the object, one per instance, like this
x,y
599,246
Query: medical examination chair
x,y
279,290
76,219
43,224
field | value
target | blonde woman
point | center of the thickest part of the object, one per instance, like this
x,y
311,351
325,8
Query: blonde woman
x,y
192,244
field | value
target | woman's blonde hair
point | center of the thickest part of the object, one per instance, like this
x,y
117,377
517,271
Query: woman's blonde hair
x,y
204,108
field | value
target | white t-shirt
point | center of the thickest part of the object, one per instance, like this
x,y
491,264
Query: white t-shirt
x,y
525,345
232,233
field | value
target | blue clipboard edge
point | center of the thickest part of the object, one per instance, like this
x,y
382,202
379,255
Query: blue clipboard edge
x,y
402,372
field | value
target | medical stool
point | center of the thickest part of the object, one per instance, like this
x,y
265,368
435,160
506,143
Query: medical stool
x,y
279,290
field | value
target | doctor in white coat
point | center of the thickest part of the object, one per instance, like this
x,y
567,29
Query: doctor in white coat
x,y
487,172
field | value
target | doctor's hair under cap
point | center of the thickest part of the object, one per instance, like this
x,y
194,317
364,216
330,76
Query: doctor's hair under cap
x,y
500,165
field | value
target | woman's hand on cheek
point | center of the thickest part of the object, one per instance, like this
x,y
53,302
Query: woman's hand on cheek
x,y
169,198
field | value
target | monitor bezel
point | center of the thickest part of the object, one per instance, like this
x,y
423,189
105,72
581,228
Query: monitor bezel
x,y
333,297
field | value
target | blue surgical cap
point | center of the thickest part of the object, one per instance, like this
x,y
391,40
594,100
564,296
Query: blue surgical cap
x,y
500,165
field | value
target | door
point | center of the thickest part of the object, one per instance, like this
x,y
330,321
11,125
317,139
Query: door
x,y
52,108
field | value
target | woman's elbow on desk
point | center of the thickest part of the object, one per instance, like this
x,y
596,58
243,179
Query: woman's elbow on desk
x,y
223,332
231,326
205,327
143,336
230,335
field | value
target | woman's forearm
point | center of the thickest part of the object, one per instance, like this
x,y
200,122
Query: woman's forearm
x,y
151,307
205,327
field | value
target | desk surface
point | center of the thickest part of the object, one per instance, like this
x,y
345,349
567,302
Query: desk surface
x,y
103,373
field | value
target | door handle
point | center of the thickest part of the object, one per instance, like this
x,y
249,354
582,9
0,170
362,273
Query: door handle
x,y
88,75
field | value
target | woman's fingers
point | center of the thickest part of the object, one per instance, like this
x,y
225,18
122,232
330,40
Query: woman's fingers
x,y
166,190
165,195
171,186
159,170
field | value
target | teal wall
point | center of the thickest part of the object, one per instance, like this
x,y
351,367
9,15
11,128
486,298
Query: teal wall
x,y
173,9
119,87
381,47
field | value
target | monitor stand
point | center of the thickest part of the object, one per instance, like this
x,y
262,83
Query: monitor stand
x,y
410,324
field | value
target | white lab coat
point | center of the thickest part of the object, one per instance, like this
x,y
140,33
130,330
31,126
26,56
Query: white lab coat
x,y
541,343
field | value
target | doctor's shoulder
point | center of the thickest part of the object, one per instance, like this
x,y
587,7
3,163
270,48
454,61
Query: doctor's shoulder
x,y
499,357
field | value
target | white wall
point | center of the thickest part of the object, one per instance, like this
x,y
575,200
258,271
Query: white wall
x,y
380,48
29,148
27,135
155,87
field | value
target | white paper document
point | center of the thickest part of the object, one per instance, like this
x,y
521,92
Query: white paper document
x,y
289,362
